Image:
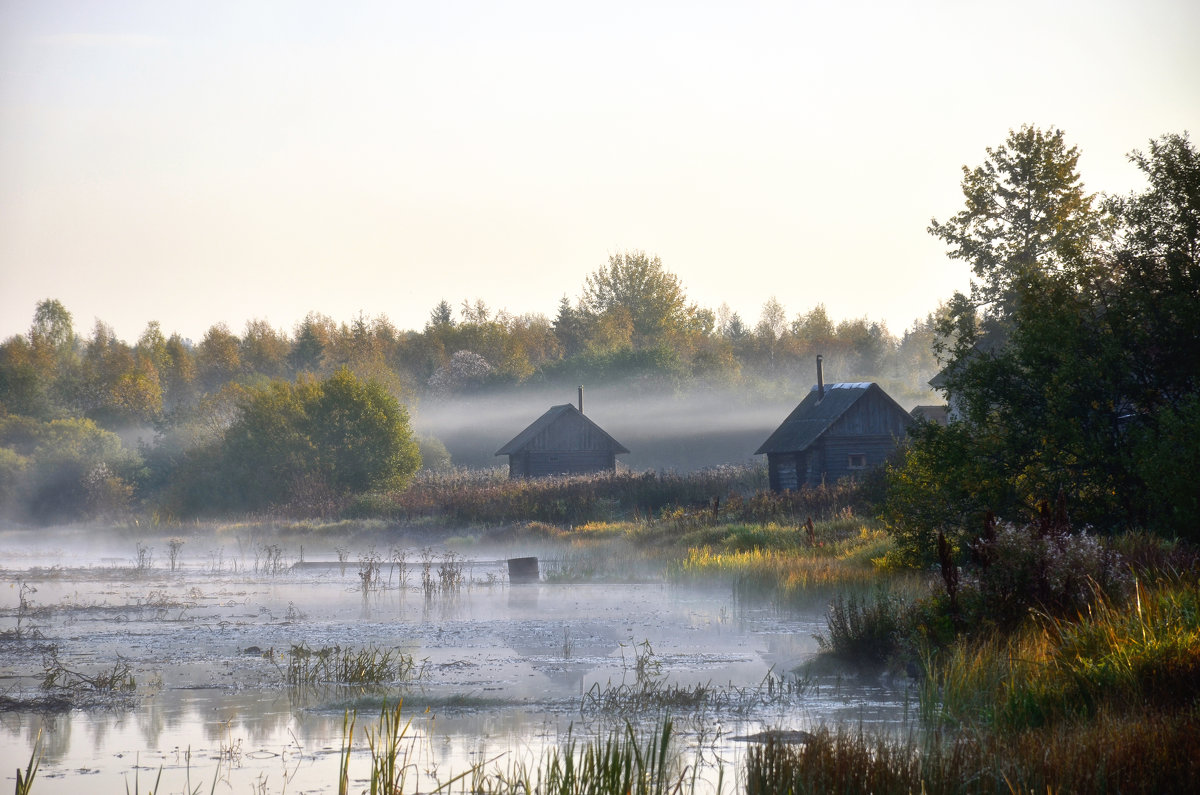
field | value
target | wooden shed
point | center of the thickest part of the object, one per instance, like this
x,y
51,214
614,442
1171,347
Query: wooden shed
x,y
561,442
837,430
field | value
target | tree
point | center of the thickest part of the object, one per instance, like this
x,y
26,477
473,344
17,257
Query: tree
x,y
336,437
1026,214
1091,365
52,325
63,470
218,360
636,284
442,316
570,328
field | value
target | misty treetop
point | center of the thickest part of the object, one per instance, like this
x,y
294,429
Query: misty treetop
x,y
631,321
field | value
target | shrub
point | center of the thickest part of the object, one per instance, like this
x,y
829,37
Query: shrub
x,y
864,629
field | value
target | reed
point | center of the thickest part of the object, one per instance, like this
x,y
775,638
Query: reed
x,y
618,764
25,779
365,666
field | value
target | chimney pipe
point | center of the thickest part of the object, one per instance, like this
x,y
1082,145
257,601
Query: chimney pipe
x,y
581,399
820,380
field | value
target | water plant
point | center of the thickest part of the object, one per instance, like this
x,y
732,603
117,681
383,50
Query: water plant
x,y
25,779
370,571
364,666
864,629
109,686
618,763
145,556
174,548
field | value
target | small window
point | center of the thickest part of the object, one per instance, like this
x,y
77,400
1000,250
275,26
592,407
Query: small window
x,y
858,461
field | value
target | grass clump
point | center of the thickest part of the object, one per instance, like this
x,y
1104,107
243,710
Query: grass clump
x,y
784,564
619,763
864,629
336,665
1119,658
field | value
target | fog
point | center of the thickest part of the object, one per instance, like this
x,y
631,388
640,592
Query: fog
x,y
664,430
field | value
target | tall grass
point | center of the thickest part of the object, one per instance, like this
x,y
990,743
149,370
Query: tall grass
x,y
474,497
780,564
1118,657
1127,754
615,765
25,779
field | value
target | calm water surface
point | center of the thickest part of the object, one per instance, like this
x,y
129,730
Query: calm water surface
x,y
505,670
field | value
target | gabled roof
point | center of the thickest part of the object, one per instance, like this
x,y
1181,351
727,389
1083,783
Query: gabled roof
x,y
546,421
813,417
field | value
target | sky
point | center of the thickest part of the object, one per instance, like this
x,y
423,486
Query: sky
x,y
195,163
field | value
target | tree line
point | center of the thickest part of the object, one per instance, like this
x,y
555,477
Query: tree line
x,y
178,404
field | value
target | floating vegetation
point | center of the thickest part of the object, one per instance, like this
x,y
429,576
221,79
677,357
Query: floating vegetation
x,y
109,687
336,665
651,692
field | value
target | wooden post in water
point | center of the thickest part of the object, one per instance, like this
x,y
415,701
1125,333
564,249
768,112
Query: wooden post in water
x,y
522,570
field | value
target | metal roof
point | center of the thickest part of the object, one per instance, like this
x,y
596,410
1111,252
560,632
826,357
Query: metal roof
x,y
553,415
813,417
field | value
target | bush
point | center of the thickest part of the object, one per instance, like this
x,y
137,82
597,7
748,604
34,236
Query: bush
x,y
864,630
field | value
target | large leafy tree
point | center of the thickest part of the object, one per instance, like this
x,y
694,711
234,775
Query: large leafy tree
x,y
290,444
638,286
1026,216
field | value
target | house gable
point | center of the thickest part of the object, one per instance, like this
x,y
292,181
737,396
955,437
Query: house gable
x,y
561,441
853,428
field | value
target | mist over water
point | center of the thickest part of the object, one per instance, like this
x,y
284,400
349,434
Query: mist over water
x,y
505,668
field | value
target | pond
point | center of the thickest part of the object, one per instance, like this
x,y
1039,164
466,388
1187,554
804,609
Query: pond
x,y
499,672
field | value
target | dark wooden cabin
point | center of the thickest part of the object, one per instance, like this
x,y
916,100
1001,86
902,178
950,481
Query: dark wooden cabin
x,y
561,442
838,430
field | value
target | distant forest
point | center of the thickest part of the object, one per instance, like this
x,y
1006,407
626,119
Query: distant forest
x,y
117,417
632,325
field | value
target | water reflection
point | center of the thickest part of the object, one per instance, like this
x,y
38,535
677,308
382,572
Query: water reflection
x,y
503,669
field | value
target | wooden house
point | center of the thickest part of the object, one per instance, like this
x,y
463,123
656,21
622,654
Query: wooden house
x,y
938,414
838,430
561,442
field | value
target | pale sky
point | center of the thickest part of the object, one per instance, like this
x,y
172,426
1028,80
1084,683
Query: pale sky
x,y
204,162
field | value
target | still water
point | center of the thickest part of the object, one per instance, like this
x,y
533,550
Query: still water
x,y
502,671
